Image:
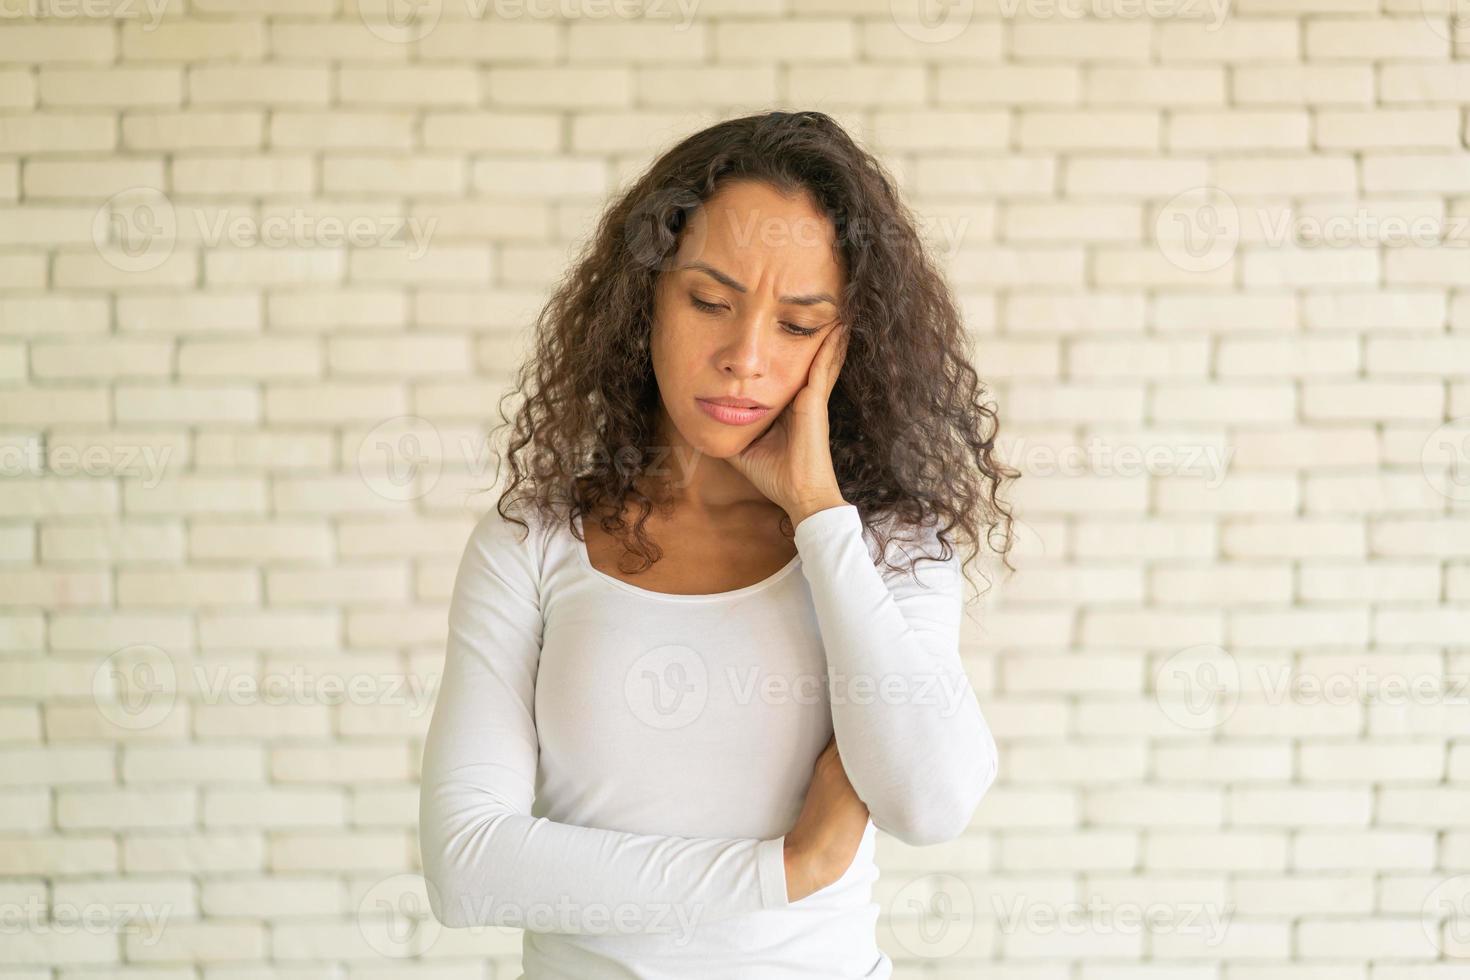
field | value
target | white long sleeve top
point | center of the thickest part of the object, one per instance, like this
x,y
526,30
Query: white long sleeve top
x,y
613,769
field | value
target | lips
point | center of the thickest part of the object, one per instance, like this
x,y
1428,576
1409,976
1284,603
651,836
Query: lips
x,y
734,402
738,413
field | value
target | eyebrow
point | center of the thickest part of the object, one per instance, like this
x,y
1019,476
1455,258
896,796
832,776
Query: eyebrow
x,y
720,277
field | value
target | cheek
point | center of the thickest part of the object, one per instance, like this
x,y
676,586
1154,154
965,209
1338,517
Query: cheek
x,y
790,375
669,356
676,358
679,350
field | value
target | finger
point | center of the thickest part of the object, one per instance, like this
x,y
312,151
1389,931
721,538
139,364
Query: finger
x,y
832,355
819,374
816,372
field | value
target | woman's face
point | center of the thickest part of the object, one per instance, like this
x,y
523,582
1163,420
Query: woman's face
x,y
749,298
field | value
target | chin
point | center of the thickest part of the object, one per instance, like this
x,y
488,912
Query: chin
x,y
721,441
717,441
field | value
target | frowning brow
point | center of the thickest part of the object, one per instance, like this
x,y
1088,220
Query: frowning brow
x,y
813,299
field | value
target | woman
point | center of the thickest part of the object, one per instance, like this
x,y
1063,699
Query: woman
x,y
675,770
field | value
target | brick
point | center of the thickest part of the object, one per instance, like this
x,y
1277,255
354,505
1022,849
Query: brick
x,y
348,42
185,313
1238,130
342,130
102,361
546,87
57,43
1330,38
879,86
194,41
398,176
408,86
90,179
648,40
58,133
497,40
293,85
193,130
270,175
1237,39
57,766
129,87
17,88
79,854
1091,130
795,39
1109,85
79,809
1387,129
1009,85
1303,85
50,316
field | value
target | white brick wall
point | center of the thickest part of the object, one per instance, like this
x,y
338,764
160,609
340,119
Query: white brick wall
x,y
1214,257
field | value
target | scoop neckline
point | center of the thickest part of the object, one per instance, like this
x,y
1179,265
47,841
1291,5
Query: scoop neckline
x,y
580,546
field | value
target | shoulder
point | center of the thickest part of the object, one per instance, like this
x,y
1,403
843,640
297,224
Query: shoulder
x,y
509,544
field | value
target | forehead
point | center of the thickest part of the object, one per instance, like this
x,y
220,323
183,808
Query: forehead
x,y
752,231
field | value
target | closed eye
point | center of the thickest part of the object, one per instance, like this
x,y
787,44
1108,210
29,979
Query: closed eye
x,y
790,328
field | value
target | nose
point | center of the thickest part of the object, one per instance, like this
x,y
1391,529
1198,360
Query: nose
x,y
744,353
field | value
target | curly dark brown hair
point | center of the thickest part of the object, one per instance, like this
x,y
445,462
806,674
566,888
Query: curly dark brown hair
x,y
912,436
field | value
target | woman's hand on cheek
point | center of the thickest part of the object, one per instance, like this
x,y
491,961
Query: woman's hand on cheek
x,y
791,462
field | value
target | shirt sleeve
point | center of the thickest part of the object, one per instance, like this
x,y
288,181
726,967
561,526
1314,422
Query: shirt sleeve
x,y
486,860
912,738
